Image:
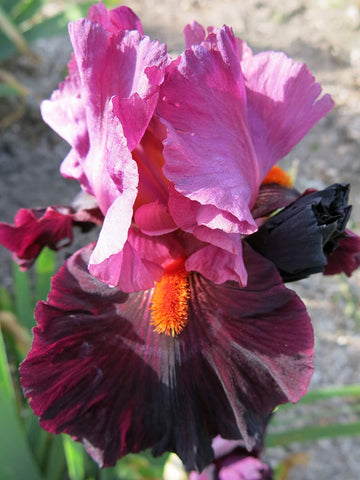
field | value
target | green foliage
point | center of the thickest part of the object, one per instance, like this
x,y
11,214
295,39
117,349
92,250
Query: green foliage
x,y
321,424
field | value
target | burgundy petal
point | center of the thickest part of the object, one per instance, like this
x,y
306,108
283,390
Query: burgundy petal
x,y
50,227
346,257
99,372
35,229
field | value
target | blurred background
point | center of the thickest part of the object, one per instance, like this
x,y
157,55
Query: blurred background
x,y
325,34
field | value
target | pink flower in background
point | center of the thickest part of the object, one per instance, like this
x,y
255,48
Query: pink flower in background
x,y
233,462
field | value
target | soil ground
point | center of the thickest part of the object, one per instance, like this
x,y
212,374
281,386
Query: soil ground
x,y
324,34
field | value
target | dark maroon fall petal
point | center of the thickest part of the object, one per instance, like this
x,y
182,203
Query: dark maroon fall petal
x,y
99,372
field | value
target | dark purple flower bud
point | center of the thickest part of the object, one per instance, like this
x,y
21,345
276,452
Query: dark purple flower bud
x,y
301,238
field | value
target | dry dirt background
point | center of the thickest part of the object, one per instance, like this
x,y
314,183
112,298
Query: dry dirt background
x,y
323,33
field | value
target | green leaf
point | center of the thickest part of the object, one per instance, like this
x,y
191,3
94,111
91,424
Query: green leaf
x,y
11,30
9,4
56,465
57,24
7,48
16,461
38,439
26,9
6,385
24,304
44,270
7,91
312,433
74,454
6,302
326,393
136,467
48,27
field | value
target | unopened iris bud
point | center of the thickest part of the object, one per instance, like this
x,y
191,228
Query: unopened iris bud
x,y
300,238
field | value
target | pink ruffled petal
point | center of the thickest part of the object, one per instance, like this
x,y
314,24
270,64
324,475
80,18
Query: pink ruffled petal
x,y
98,371
209,155
189,214
114,232
222,260
154,219
216,264
233,462
120,18
113,82
65,112
194,34
282,104
125,269
71,168
141,261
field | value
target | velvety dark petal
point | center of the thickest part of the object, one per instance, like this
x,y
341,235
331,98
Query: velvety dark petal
x,y
271,197
299,239
346,257
99,372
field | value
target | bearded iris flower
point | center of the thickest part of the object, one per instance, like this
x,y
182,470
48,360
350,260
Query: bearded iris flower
x,y
169,330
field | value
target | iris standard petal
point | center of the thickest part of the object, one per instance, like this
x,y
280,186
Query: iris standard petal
x,y
120,18
99,372
194,34
107,102
110,95
282,105
209,155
